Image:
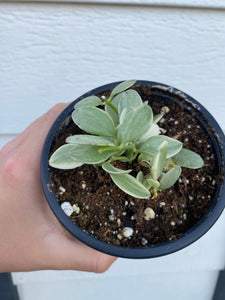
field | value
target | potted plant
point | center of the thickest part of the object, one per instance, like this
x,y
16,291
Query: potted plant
x,y
135,169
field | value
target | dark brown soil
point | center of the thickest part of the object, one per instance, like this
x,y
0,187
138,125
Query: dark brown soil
x,y
105,209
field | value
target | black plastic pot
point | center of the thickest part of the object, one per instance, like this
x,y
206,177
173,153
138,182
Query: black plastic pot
x,y
218,202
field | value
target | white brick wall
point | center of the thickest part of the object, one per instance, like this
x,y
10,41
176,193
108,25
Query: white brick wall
x,y
53,52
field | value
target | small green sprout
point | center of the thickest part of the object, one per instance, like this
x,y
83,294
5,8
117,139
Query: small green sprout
x,y
124,129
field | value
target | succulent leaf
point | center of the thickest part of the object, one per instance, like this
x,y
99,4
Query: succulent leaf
x,y
111,112
152,131
86,139
189,159
152,145
129,98
130,185
61,158
89,154
89,101
168,179
94,120
153,183
159,160
158,117
113,170
122,87
140,176
134,124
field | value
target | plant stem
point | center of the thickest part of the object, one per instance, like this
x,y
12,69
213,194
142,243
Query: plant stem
x,y
121,158
111,105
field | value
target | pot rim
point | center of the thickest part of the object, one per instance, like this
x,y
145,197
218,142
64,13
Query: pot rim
x,y
193,234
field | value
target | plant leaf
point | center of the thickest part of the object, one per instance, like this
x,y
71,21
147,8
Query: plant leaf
x,y
85,139
61,159
89,154
113,170
130,185
122,87
151,146
140,176
135,123
152,131
111,112
189,159
159,160
89,101
94,120
153,183
158,117
129,98
168,179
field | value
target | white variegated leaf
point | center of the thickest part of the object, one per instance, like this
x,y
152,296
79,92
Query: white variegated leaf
x,y
151,146
168,179
159,160
90,154
140,176
94,120
152,131
61,158
129,98
89,101
85,139
111,112
189,159
135,123
113,170
130,185
122,87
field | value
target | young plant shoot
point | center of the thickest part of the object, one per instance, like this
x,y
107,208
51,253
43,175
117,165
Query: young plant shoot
x,y
124,129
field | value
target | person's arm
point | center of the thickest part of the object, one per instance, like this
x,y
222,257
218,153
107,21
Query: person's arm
x,y
31,238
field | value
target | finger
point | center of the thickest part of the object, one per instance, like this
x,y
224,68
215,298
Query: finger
x,y
40,126
28,146
71,254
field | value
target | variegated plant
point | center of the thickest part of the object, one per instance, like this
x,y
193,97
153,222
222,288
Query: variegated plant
x,y
125,130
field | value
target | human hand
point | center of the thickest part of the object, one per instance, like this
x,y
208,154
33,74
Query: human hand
x,y
31,238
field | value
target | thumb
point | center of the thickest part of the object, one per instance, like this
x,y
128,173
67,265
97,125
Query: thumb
x,y
68,253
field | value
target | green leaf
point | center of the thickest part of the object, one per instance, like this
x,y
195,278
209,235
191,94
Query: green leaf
x,y
168,179
122,87
94,120
124,114
129,98
111,112
140,176
151,146
84,139
189,159
89,101
152,131
89,154
153,183
135,122
158,117
130,185
159,160
113,170
61,158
